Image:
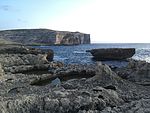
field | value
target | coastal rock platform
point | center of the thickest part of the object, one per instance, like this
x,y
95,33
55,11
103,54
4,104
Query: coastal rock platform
x,y
25,88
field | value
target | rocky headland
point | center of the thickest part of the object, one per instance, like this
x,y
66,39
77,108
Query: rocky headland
x,y
31,82
43,37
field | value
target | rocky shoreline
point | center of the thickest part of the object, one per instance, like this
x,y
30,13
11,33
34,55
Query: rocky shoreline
x,y
95,88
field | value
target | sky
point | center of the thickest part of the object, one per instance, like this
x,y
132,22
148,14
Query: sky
x,y
108,21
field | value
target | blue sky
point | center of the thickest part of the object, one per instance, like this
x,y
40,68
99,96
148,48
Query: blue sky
x,y
34,13
106,20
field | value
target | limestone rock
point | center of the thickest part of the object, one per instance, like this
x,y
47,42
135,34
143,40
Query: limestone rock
x,y
75,71
44,99
136,71
44,37
139,106
69,38
75,89
15,58
1,71
22,62
106,92
19,49
112,53
65,73
105,75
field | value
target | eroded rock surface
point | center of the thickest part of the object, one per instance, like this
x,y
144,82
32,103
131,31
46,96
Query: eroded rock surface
x,y
112,53
70,96
136,71
71,88
16,59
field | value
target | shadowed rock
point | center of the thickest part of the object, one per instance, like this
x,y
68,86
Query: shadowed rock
x,y
64,74
112,53
50,55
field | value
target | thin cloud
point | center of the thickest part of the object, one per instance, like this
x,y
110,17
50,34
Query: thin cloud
x,y
7,8
22,21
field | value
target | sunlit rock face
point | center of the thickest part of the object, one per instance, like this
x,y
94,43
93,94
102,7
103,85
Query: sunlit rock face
x,y
72,38
44,37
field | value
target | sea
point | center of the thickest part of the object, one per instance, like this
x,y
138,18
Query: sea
x,y
76,54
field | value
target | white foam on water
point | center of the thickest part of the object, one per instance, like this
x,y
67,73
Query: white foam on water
x,y
59,58
79,52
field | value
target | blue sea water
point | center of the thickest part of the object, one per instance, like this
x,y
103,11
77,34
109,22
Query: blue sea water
x,y
77,54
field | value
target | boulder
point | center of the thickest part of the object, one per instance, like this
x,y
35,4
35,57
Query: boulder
x,y
105,76
112,53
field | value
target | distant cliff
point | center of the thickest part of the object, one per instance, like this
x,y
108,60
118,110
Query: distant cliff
x,y
44,37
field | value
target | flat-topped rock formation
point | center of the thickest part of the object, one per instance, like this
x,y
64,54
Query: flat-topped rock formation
x,y
43,37
16,58
112,53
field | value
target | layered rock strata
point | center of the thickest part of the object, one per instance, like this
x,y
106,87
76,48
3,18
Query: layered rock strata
x,y
16,59
44,37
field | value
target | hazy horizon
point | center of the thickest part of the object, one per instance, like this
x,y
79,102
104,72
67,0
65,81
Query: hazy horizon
x,y
109,21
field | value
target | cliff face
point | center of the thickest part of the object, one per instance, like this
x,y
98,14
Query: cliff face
x,y
72,38
44,37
